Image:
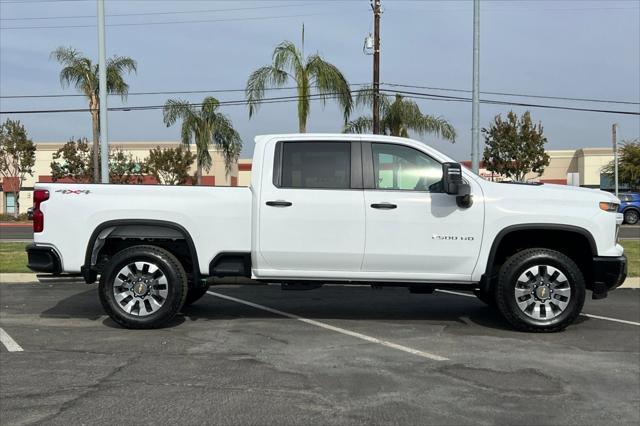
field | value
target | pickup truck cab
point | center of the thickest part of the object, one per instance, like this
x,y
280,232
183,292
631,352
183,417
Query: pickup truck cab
x,y
336,208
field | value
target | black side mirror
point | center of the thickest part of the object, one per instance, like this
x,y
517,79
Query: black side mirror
x,y
455,185
451,177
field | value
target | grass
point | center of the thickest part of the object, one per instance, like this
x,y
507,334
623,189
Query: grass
x,y
13,258
632,251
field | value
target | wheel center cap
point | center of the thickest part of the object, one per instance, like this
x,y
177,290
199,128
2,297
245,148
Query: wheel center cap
x,y
140,289
542,292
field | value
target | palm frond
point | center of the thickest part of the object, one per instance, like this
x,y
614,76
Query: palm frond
x,y
174,109
259,80
437,126
330,83
362,124
287,57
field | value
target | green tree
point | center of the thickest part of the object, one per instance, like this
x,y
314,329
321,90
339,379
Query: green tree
x,y
73,161
289,63
515,147
80,72
17,157
125,168
170,166
205,126
398,116
628,164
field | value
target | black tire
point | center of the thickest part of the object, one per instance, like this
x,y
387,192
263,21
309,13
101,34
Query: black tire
x,y
194,294
175,288
523,261
488,297
631,217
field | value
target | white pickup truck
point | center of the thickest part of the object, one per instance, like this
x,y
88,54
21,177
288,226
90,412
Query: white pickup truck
x,y
336,208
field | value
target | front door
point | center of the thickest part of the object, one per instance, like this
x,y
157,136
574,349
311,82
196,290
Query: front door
x,y
312,210
414,230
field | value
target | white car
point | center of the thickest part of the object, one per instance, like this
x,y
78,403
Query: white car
x,y
357,209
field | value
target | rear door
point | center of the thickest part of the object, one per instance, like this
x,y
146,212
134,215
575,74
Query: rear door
x,y
311,213
413,229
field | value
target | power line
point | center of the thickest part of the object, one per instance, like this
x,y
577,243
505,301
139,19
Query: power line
x,y
186,92
520,95
133,24
281,99
430,96
163,13
174,92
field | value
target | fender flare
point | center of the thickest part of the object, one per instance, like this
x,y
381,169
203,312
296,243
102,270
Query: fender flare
x,y
533,227
88,269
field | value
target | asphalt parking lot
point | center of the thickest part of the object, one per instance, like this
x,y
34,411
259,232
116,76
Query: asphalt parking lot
x,y
336,355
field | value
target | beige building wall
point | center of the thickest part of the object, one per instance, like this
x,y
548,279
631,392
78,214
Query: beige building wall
x,y
244,172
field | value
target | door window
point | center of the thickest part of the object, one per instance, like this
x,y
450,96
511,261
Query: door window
x,y
398,167
10,203
317,165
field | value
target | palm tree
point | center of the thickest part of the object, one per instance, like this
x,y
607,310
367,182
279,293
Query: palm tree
x,y
399,117
81,72
205,126
290,63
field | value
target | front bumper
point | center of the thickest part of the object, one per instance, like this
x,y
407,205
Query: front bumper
x,y
43,259
608,273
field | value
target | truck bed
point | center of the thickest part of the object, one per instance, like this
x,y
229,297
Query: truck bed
x,y
217,218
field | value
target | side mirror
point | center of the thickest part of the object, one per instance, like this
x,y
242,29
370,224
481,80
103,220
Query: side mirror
x,y
455,185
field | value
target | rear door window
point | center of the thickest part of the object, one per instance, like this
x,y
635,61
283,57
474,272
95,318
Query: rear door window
x,y
316,165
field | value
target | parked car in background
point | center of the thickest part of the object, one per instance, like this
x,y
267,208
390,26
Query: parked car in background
x,y
30,213
630,207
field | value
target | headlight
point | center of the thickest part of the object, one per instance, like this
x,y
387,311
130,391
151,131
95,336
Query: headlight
x,y
609,207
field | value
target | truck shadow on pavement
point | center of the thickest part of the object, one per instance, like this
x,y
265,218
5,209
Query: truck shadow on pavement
x,y
322,304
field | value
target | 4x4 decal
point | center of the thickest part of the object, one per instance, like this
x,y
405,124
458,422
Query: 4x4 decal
x,y
73,191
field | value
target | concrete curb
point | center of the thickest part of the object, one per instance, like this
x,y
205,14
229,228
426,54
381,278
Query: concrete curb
x,y
630,282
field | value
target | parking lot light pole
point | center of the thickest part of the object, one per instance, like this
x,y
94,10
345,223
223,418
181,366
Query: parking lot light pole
x,y
102,82
475,101
614,139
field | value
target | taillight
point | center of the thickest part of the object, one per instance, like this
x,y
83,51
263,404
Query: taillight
x,y
39,196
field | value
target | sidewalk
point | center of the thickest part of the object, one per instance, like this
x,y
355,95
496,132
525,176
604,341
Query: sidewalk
x,y
630,282
16,224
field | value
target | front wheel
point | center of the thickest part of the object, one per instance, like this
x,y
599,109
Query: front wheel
x,y
631,217
143,287
540,290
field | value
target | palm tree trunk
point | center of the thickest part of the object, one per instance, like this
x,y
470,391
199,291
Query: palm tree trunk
x,y
95,121
199,174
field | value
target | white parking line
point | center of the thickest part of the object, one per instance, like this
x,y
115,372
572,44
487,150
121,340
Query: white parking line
x,y
8,342
333,328
583,314
610,319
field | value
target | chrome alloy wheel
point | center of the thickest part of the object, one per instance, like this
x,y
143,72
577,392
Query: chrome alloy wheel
x,y
542,292
140,288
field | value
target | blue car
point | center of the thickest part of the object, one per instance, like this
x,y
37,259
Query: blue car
x,y
630,207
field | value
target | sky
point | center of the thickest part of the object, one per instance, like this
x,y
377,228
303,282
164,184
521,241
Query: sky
x,y
576,49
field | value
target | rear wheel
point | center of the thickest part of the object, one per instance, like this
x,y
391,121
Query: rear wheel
x,y
540,290
631,217
143,287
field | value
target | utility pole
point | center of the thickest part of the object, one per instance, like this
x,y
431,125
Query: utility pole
x,y
475,101
614,139
375,5
102,82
